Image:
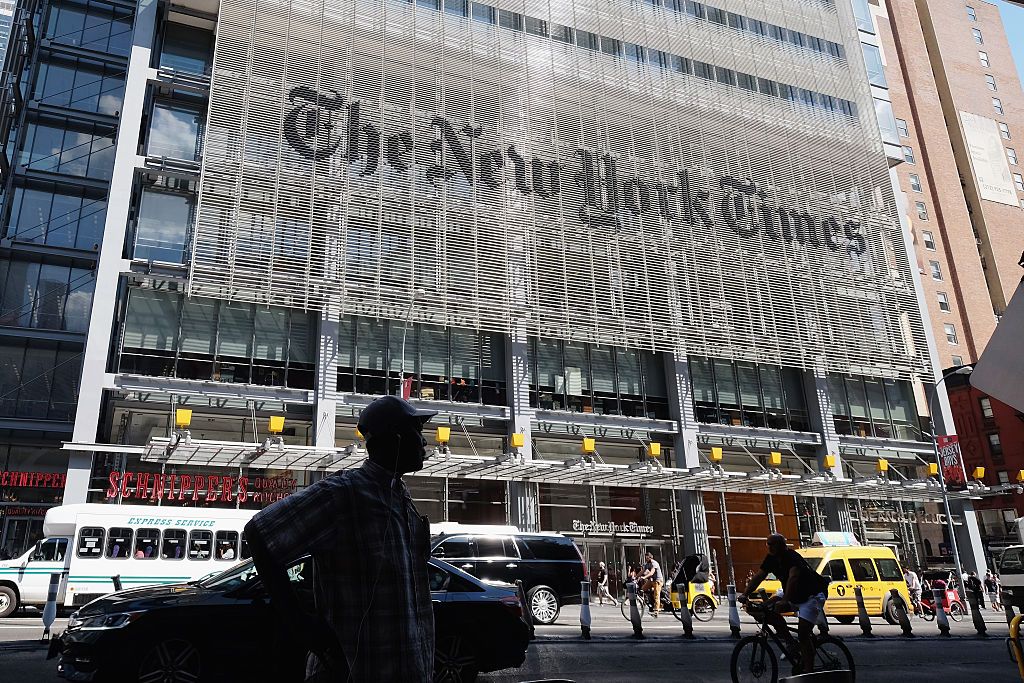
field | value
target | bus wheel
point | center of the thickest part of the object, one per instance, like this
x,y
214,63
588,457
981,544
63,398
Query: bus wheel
x,y
8,601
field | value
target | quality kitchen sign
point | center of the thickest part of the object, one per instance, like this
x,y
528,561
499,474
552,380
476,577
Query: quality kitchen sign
x,y
323,125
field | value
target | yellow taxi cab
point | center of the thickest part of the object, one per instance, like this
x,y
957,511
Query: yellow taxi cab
x,y
874,568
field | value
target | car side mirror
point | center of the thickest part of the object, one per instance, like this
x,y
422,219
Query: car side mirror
x,y
437,552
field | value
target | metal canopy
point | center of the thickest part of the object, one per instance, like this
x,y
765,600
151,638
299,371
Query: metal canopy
x,y
576,471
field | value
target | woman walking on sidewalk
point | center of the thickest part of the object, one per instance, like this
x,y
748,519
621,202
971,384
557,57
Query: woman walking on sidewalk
x,y
602,585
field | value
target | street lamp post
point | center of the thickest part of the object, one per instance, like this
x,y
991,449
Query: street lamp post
x,y
405,330
962,370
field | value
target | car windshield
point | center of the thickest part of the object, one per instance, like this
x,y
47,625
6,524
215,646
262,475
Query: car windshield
x,y
230,579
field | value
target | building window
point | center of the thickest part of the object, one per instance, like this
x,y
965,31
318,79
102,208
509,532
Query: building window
x,y
901,126
863,406
983,58
995,445
943,301
978,38
1003,477
950,330
986,408
39,379
971,14
80,84
1018,180
991,81
164,224
748,394
175,131
929,240
997,104
873,61
936,270
908,154
922,211
1004,130
957,360
45,295
187,48
915,182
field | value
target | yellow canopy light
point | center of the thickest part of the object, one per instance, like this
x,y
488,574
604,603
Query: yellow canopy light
x,y
182,418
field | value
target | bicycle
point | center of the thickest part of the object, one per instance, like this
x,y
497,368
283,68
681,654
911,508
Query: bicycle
x,y
643,602
753,658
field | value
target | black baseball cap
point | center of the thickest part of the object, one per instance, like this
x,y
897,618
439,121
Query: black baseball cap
x,y
391,414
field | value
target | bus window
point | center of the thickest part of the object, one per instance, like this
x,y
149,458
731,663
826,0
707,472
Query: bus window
x,y
90,542
199,543
245,554
174,544
119,542
227,545
146,543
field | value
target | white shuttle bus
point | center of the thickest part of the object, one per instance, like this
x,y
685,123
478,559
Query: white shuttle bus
x,y
89,544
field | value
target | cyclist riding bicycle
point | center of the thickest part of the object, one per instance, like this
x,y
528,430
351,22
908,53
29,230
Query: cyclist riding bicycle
x,y
804,592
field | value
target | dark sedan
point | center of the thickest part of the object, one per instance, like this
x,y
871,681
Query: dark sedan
x,y
223,629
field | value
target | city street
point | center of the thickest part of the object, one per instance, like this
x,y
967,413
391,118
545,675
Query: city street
x,y
613,655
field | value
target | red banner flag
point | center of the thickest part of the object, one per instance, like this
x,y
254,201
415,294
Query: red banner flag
x,y
951,462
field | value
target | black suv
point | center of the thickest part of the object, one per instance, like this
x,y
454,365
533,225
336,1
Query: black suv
x,y
550,565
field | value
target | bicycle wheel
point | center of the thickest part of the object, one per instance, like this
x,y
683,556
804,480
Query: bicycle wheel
x,y
956,612
641,606
703,608
831,654
754,660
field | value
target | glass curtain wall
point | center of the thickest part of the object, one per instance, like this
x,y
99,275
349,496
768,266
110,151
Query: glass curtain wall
x,y
164,221
585,378
748,394
871,407
441,364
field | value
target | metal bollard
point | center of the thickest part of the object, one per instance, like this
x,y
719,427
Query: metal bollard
x,y
684,610
974,600
862,614
117,582
50,609
940,614
585,609
901,613
734,612
527,613
634,613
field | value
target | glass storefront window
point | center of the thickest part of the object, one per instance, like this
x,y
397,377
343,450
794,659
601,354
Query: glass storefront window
x,y
477,501
561,504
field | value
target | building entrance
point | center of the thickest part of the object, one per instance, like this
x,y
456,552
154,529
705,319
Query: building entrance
x,y
619,555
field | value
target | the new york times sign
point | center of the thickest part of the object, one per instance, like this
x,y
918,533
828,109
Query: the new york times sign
x,y
322,125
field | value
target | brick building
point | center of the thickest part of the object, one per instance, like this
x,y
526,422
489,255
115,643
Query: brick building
x,y
991,436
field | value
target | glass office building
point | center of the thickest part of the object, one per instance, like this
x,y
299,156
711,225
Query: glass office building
x,y
644,257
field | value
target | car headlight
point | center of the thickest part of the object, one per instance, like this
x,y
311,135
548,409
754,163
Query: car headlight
x,y
102,621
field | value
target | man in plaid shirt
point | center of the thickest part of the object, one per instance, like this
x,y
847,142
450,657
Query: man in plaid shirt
x,y
370,547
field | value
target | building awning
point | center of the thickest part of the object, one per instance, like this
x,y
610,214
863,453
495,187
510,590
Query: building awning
x,y
578,471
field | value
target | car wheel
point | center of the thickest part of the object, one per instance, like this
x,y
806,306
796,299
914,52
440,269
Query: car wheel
x,y
543,605
890,612
845,619
8,601
454,661
173,660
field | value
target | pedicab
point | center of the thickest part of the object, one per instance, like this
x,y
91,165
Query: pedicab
x,y
951,604
694,572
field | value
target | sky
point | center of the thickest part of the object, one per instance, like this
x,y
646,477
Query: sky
x,y
1013,21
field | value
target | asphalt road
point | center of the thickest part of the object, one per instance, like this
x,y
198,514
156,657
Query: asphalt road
x,y
884,660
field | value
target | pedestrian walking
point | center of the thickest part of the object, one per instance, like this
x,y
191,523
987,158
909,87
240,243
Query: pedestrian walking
x,y
371,549
914,588
602,585
654,579
992,588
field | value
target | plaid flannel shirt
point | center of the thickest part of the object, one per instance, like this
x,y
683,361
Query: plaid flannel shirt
x,y
371,548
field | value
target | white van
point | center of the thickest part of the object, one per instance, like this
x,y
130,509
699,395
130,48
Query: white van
x,y
1011,574
89,544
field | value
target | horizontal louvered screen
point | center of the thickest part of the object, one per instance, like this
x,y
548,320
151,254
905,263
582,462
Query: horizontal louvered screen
x,y
684,185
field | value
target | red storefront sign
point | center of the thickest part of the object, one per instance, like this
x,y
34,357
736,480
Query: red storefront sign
x,y
32,480
198,487
952,463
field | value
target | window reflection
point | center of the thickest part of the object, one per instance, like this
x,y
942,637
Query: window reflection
x,y
187,48
748,394
174,131
869,407
64,220
164,224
